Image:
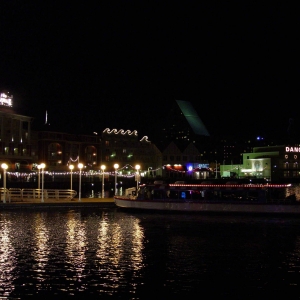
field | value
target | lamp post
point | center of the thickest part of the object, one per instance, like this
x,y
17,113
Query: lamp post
x,y
4,166
216,169
80,166
39,177
71,167
150,168
42,167
137,167
116,166
39,181
102,168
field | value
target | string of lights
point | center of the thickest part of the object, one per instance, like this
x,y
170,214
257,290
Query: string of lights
x,y
126,171
73,160
129,168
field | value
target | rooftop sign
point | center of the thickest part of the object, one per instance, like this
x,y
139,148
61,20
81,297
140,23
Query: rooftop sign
x,y
5,99
292,149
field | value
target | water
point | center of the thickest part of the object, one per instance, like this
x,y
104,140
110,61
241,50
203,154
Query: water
x,y
110,253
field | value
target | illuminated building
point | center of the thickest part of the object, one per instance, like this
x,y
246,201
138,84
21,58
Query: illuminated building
x,y
18,146
186,154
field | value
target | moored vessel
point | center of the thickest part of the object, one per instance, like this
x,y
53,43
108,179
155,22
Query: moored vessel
x,y
231,197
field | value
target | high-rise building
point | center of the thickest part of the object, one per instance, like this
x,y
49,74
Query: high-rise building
x,y
182,125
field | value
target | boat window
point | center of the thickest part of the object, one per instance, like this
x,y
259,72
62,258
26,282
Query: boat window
x,y
188,195
197,194
173,194
158,194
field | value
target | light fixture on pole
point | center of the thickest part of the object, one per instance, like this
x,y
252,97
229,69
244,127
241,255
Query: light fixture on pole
x,y
149,172
103,168
39,176
216,169
116,166
42,167
137,167
80,166
71,167
4,166
39,181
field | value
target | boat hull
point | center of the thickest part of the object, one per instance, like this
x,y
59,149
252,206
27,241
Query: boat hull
x,y
212,207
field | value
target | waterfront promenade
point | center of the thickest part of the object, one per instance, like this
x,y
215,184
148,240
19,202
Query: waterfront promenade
x,y
85,202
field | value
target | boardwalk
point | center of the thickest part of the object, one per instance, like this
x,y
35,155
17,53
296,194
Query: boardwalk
x,y
85,202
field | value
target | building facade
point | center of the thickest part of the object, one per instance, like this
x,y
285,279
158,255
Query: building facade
x,y
18,143
273,163
189,157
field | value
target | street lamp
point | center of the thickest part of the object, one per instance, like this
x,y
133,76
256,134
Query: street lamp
x,y
150,168
4,166
39,177
71,167
137,167
116,166
216,169
80,166
102,168
42,167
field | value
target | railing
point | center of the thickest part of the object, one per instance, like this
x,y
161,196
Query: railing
x,y
37,195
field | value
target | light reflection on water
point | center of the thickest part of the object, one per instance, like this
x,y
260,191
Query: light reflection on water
x,y
94,252
41,249
7,259
68,252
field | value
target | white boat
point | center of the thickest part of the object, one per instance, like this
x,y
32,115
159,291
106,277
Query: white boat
x,y
213,198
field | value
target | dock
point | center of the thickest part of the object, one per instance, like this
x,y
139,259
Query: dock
x,y
52,203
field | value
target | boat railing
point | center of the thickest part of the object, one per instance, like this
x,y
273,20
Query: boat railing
x,y
233,193
239,198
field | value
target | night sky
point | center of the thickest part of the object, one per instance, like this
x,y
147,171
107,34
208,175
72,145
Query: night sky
x,y
122,64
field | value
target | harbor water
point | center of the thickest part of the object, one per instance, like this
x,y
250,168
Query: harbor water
x,y
112,253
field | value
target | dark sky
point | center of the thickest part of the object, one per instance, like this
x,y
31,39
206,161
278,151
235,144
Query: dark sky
x,y
122,64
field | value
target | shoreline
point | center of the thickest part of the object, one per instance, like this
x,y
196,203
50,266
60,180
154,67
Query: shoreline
x,y
85,202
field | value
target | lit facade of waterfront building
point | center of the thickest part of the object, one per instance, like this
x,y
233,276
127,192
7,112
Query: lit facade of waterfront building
x,y
113,146
127,149
274,163
18,147
23,149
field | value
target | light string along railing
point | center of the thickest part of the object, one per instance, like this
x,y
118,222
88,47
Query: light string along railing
x,y
131,171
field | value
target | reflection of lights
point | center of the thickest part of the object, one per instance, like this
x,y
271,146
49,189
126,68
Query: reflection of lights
x,y
137,245
76,243
7,257
121,242
68,249
42,238
103,241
